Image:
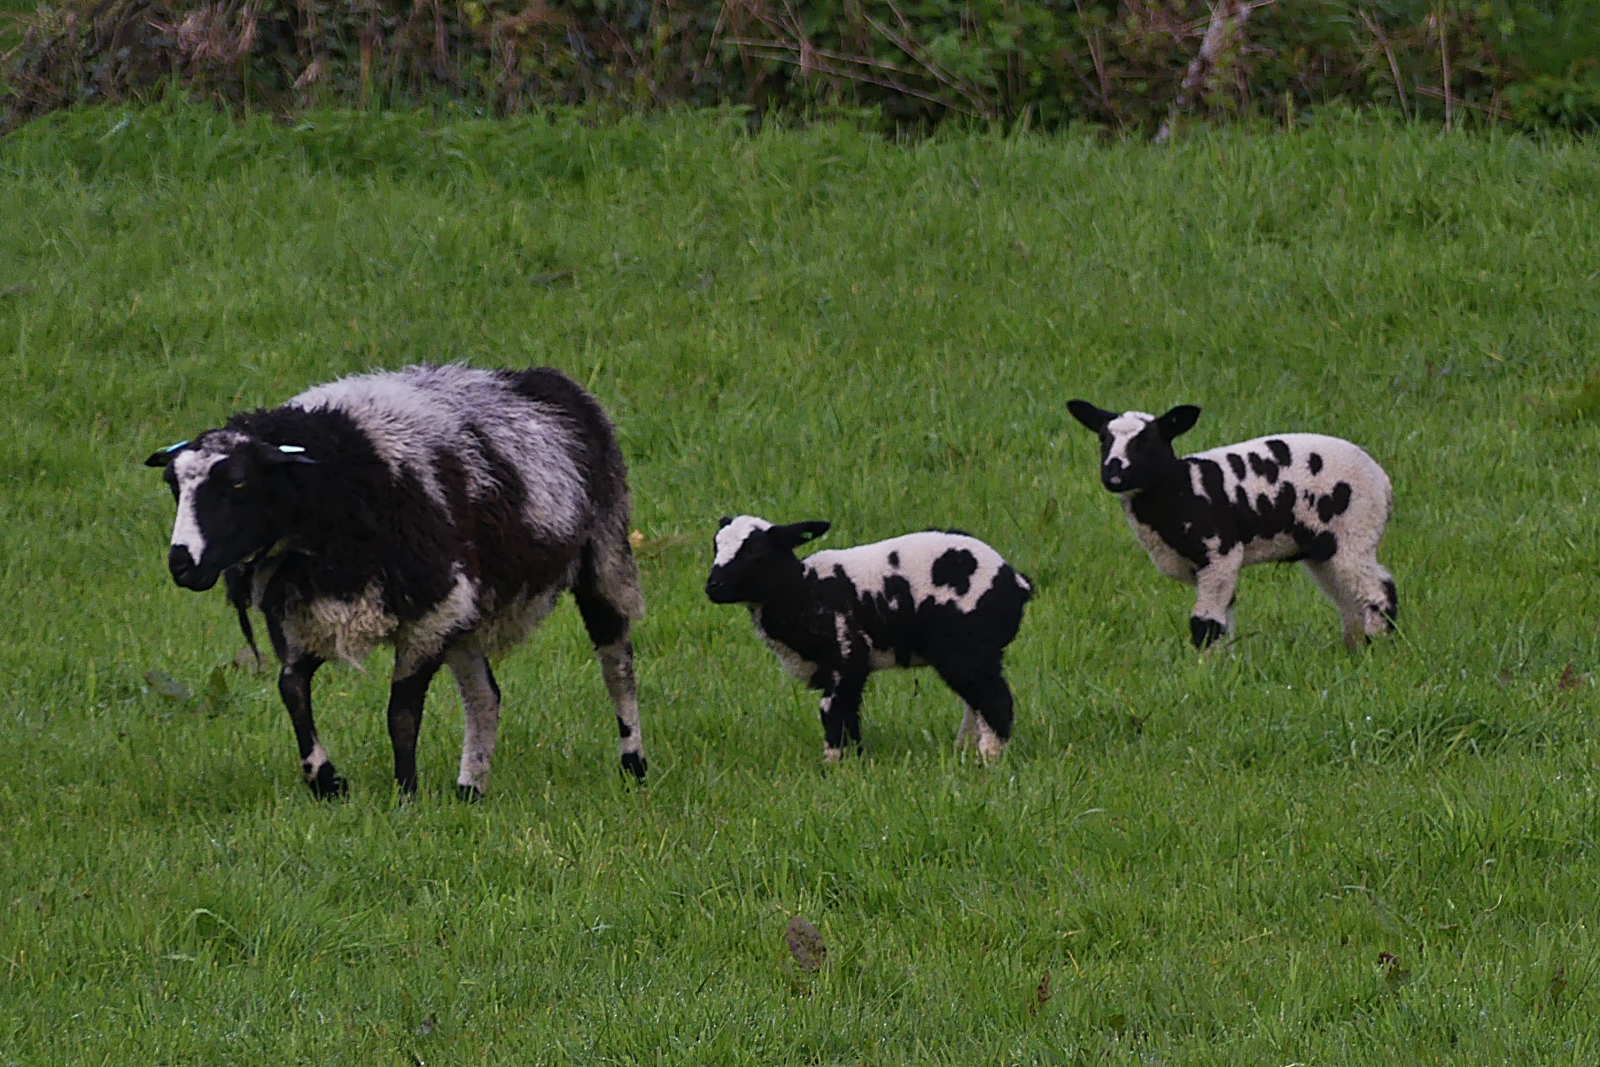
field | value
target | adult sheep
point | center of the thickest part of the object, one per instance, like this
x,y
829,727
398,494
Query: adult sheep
x,y
1294,496
939,599
441,510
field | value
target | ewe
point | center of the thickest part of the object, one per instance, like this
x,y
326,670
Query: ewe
x,y
438,509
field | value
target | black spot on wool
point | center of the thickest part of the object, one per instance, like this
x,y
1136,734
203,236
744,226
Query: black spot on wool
x,y
1264,468
894,559
1334,503
1236,461
1314,462
954,570
1280,451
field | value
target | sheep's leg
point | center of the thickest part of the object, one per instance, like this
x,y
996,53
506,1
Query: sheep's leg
x,y
480,701
1364,593
841,715
967,732
1215,585
608,629
985,692
406,695
294,686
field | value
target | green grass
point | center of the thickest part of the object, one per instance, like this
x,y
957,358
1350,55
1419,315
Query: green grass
x,y
1210,856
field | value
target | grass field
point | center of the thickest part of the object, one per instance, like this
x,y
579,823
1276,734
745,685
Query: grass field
x,y
1280,853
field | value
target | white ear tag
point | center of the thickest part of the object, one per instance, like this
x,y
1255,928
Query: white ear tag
x,y
290,449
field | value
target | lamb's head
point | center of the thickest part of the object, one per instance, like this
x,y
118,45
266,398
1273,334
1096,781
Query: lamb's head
x,y
232,492
1135,448
751,556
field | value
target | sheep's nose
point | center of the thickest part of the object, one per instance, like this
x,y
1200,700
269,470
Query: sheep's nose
x,y
179,562
1112,474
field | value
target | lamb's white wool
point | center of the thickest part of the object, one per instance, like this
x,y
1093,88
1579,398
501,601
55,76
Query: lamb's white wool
x,y
912,557
731,537
414,416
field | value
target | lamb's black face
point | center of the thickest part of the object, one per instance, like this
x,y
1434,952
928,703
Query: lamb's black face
x,y
749,557
230,490
1135,448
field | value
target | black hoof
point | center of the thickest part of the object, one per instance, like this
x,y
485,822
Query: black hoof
x,y
327,785
1204,632
634,764
469,794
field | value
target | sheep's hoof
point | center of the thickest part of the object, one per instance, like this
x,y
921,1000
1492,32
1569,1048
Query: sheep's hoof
x,y
469,794
1204,632
327,785
634,763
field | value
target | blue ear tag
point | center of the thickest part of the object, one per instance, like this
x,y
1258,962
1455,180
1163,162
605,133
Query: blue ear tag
x,y
174,448
290,449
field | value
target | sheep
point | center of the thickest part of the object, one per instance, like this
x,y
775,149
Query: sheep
x,y
939,598
438,509
1290,497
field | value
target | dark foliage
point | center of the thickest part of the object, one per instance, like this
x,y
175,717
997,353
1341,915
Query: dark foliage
x,y
1527,62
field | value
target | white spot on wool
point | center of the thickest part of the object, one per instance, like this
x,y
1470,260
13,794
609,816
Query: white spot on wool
x,y
732,537
868,568
414,416
425,637
336,629
1123,429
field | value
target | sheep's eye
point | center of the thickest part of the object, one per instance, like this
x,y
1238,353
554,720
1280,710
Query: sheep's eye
x,y
238,485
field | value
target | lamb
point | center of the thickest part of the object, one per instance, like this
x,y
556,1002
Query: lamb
x,y
438,509
1291,497
939,598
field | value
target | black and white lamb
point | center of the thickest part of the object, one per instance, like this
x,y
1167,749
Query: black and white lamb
x,y
1291,497
441,510
937,599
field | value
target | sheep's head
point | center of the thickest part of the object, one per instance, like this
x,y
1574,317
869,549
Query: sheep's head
x,y
231,489
1135,448
751,555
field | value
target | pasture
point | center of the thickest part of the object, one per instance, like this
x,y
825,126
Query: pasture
x,y
1277,853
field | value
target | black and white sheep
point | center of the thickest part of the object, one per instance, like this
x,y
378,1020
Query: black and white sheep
x,y
1294,496
441,510
937,599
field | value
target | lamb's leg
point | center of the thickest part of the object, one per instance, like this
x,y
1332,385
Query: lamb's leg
x,y
967,732
1215,584
1364,593
985,691
480,701
609,629
841,714
294,686
407,692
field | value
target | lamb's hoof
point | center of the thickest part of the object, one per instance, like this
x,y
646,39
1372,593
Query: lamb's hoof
x,y
327,785
469,794
832,757
1204,632
634,763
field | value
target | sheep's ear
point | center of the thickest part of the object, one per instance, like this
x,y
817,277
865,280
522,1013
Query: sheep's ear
x,y
162,457
796,533
724,521
1092,417
1177,421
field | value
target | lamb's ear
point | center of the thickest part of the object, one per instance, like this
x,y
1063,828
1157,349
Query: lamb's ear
x,y
796,533
162,457
1177,421
1092,417
724,521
